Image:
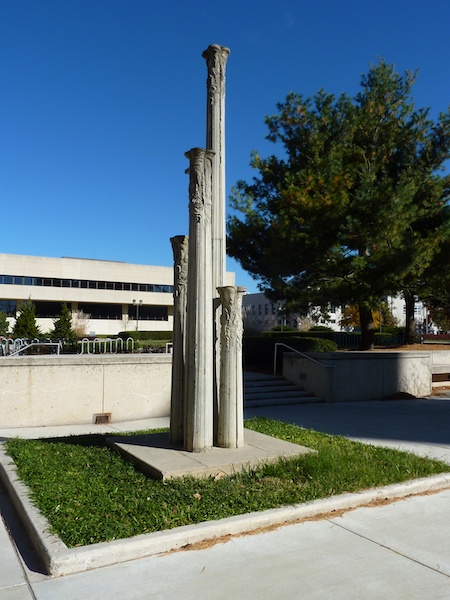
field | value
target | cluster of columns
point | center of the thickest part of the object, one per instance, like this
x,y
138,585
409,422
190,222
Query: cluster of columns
x,y
207,388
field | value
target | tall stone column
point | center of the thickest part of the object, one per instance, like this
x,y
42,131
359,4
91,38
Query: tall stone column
x,y
216,59
231,395
180,246
199,348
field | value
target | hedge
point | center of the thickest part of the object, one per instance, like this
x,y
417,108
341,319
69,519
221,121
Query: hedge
x,y
147,335
343,339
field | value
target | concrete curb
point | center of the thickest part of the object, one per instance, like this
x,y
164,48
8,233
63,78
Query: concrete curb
x,y
61,560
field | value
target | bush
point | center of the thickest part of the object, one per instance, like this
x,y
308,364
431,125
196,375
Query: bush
x,y
327,335
320,328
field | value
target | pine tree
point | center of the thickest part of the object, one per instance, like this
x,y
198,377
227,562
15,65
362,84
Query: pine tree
x,y
4,325
355,209
62,326
25,325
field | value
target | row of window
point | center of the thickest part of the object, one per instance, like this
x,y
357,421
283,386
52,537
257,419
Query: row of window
x,y
92,309
85,283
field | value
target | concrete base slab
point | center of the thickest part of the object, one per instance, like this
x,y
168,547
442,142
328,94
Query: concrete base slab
x,y
154,455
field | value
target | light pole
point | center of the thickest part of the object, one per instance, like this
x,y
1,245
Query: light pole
x,y
137,304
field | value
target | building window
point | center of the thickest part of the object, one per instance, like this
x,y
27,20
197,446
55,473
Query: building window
x,y
148,312
83,283
48,309
101,311
9,307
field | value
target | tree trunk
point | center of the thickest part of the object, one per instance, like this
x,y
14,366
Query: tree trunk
x,y
367,329
410,324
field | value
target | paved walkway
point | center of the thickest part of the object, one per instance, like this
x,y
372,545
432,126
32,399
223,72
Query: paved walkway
x,y
397,551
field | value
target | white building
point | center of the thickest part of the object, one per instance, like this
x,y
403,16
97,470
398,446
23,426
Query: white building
x,y
114,296
262,314
421,314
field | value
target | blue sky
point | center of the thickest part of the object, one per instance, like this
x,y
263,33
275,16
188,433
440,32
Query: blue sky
x,y
101,99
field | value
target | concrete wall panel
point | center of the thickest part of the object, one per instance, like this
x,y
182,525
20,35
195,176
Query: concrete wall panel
x,y
361,375
66,390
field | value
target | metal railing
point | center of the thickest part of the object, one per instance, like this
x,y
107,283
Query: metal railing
x,y
297,352
329,369
37,344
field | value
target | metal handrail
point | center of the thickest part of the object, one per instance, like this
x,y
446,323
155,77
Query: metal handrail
x,y
33,344
329,394
297,352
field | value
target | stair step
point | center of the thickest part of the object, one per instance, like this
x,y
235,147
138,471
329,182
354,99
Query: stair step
x,y
282,389
280,402
277,393
261,389
268,385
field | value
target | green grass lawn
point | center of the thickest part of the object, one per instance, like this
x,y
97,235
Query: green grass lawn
x,y
90,494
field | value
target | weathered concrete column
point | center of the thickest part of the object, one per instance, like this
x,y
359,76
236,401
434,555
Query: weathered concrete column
x,y
199,343
216,59
231,396
180,246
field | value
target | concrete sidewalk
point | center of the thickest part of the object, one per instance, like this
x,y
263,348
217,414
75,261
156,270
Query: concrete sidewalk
x,y
398,550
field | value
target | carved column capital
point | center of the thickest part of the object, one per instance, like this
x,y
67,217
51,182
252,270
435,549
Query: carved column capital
x,y
216,59
231,319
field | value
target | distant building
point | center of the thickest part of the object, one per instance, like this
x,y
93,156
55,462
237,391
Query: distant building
x,y
262,314
108,296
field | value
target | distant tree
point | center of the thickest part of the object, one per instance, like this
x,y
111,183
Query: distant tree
x,y
350,317
25,325
62,326
355,208
4,325
80,323
440,316
382,317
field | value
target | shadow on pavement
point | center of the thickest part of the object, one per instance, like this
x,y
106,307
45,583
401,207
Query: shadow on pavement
x,y
424,421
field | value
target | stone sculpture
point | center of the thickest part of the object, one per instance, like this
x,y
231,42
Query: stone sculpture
x,y
207,388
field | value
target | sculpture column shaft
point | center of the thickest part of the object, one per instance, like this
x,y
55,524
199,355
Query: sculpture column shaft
x,y
231,396
216,58
199,356
180,246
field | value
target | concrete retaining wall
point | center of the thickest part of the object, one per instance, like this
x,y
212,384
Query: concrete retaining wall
x,y
66,390
355,376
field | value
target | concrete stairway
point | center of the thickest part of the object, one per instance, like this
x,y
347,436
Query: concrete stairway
x,y
261,389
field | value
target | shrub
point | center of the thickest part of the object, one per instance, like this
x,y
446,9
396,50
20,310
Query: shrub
x,y
147,335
